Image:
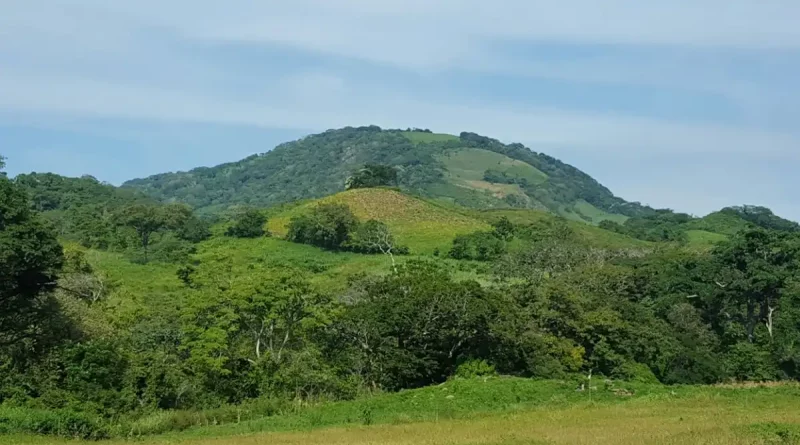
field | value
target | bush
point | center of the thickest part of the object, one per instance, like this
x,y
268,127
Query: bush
x,y
62,422
481,246
195,230
636,372
475,368
372,175
327,226
249,224
749,362
374,237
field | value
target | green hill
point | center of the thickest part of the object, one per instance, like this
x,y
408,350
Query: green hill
x,y
416,223
469,170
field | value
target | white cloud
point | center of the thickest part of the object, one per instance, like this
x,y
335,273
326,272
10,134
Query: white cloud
x,y
158,61
335,104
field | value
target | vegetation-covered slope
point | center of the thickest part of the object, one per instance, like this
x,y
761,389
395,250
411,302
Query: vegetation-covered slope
x,y
417,224
97,341
469,170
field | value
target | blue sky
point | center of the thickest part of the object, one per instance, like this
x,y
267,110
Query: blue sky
x,y
691,105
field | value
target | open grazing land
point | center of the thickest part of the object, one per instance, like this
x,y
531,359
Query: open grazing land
x,y
513,411
371,286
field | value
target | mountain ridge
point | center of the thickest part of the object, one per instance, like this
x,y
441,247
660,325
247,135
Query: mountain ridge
x,y
470,170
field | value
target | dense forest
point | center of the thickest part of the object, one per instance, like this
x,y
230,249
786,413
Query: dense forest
x,y
116,307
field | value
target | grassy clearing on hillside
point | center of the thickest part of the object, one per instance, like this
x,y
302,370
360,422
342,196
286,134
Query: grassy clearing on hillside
x,y
517,411
420,225
703,237
134,286
421,137
471,164
327,270
597,215
592,235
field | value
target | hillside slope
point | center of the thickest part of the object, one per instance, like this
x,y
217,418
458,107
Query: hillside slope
x,y
418,224
469,170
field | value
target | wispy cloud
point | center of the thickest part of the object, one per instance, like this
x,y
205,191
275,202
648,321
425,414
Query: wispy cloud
x,y
308,65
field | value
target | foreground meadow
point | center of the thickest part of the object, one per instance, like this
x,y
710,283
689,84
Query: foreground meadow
x,y
658,415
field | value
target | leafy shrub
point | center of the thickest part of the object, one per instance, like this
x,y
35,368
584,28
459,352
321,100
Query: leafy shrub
x,y
475,368
62,422
503,229
636,372
195,230
481,246
327,226
372,175
374,237
748,362
249,224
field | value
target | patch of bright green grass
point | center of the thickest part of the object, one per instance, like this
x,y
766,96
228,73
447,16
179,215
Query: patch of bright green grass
x,y
704,237
514,411
134,287
597,215
719,222
470,164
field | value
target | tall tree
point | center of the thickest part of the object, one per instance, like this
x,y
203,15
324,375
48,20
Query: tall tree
x,y
248,224
756,267
145,220
30,258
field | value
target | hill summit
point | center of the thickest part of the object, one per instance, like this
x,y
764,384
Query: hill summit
x,y
469,170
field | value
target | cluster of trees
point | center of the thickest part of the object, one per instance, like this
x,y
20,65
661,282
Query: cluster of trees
x,y
663,225
667,225
498,177
484,245
101,216
335,227
248,223
372,175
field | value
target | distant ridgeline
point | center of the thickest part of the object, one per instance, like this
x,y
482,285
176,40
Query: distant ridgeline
x,y
469,170
666,225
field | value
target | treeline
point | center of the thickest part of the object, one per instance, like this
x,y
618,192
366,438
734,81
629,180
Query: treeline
x,y
667,225
101,216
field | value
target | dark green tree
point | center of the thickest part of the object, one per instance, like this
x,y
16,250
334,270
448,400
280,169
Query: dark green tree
x,y
195,230
30,259
328,226
145,220
480,246
414,327
756,268
372,175
248,224
504,229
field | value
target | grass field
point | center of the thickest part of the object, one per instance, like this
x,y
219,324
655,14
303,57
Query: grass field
x,y
418,224
518,411
597,215
704,237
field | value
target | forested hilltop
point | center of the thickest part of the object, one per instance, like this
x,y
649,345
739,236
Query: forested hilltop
x,y
469,170
123,315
